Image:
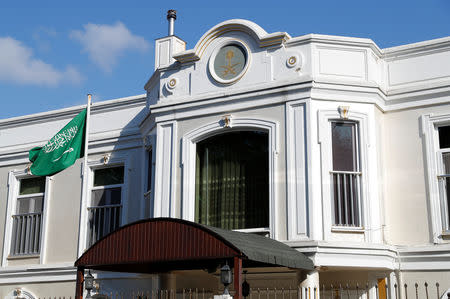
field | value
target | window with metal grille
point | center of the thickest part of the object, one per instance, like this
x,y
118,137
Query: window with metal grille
x,y
444,174
346,174
27,220
106,202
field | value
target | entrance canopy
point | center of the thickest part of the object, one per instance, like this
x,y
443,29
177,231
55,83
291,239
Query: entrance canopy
x,y
165,244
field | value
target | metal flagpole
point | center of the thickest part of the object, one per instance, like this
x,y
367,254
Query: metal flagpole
x,y
84,194
86,140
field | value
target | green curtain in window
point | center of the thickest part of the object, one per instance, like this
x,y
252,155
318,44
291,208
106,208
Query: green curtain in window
x,y
232,181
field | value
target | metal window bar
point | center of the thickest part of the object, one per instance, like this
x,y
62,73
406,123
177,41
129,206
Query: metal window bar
x,y
26,234
102,221
347,196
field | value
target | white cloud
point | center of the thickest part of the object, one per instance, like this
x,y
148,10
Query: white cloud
x,y
105,43
17,65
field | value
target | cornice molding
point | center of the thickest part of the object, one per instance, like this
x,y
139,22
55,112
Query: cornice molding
x,y
99,107
263,38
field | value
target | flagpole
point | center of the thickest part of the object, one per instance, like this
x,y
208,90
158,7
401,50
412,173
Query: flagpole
x,y
86,140
84,194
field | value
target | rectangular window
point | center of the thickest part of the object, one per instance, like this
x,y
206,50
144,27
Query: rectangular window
x,y
27,220
444,176
346,175
232,181
106,202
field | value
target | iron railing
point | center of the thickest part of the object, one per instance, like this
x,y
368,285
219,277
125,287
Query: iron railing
x,y
102,221
26,234
347,195
336,291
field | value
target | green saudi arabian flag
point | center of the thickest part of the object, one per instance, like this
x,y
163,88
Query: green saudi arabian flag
x,y
62,150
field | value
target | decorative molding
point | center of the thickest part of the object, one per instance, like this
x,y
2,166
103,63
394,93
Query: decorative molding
x,y
98,143
171,84
293,61
165,167
260,35
343,111
188,152
299,210
99,107
226,121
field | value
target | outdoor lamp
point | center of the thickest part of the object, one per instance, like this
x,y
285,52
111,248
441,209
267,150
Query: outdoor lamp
x,y
89,283
225,278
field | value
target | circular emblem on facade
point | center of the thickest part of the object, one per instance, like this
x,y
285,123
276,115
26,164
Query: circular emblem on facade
x,y
293,60
172,83
229,62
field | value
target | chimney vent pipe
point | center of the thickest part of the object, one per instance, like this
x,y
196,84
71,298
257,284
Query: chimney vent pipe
x,y
171,17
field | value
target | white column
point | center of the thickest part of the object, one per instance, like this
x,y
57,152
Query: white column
x,y
308,281
165,182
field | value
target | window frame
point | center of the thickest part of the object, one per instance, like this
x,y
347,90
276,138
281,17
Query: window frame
x,y
433,169
14,178
114,160
367,207
104,187
357,163
189,150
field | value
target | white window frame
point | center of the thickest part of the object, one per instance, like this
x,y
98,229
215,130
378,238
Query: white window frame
x,y
434,168
325,119
357,172
189,142
14,178
87,196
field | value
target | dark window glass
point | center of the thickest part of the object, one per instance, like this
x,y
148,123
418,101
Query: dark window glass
x,y
32,185
344,146
232,180
104,197
149,170
30,205
444,137
108,176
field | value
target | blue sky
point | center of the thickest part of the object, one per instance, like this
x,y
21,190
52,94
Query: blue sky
x,y
52,53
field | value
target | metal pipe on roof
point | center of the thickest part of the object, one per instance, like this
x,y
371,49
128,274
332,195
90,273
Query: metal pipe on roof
x,y
171,17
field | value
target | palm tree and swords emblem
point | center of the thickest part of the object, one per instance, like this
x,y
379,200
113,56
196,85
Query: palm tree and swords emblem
x,y
229,68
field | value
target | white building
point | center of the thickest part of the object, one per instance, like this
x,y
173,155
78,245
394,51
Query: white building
x,y
329,144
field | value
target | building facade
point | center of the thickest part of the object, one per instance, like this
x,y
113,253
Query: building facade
x,y
328,144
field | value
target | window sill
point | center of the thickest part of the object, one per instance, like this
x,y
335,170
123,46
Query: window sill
x,y
347,229
23,257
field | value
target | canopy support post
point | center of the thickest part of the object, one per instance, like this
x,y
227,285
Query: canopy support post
x,y
79,283
237,277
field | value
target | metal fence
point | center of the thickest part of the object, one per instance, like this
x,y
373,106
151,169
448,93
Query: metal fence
x,y
347,291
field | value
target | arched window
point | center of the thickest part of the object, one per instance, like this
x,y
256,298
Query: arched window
x,y
232,180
